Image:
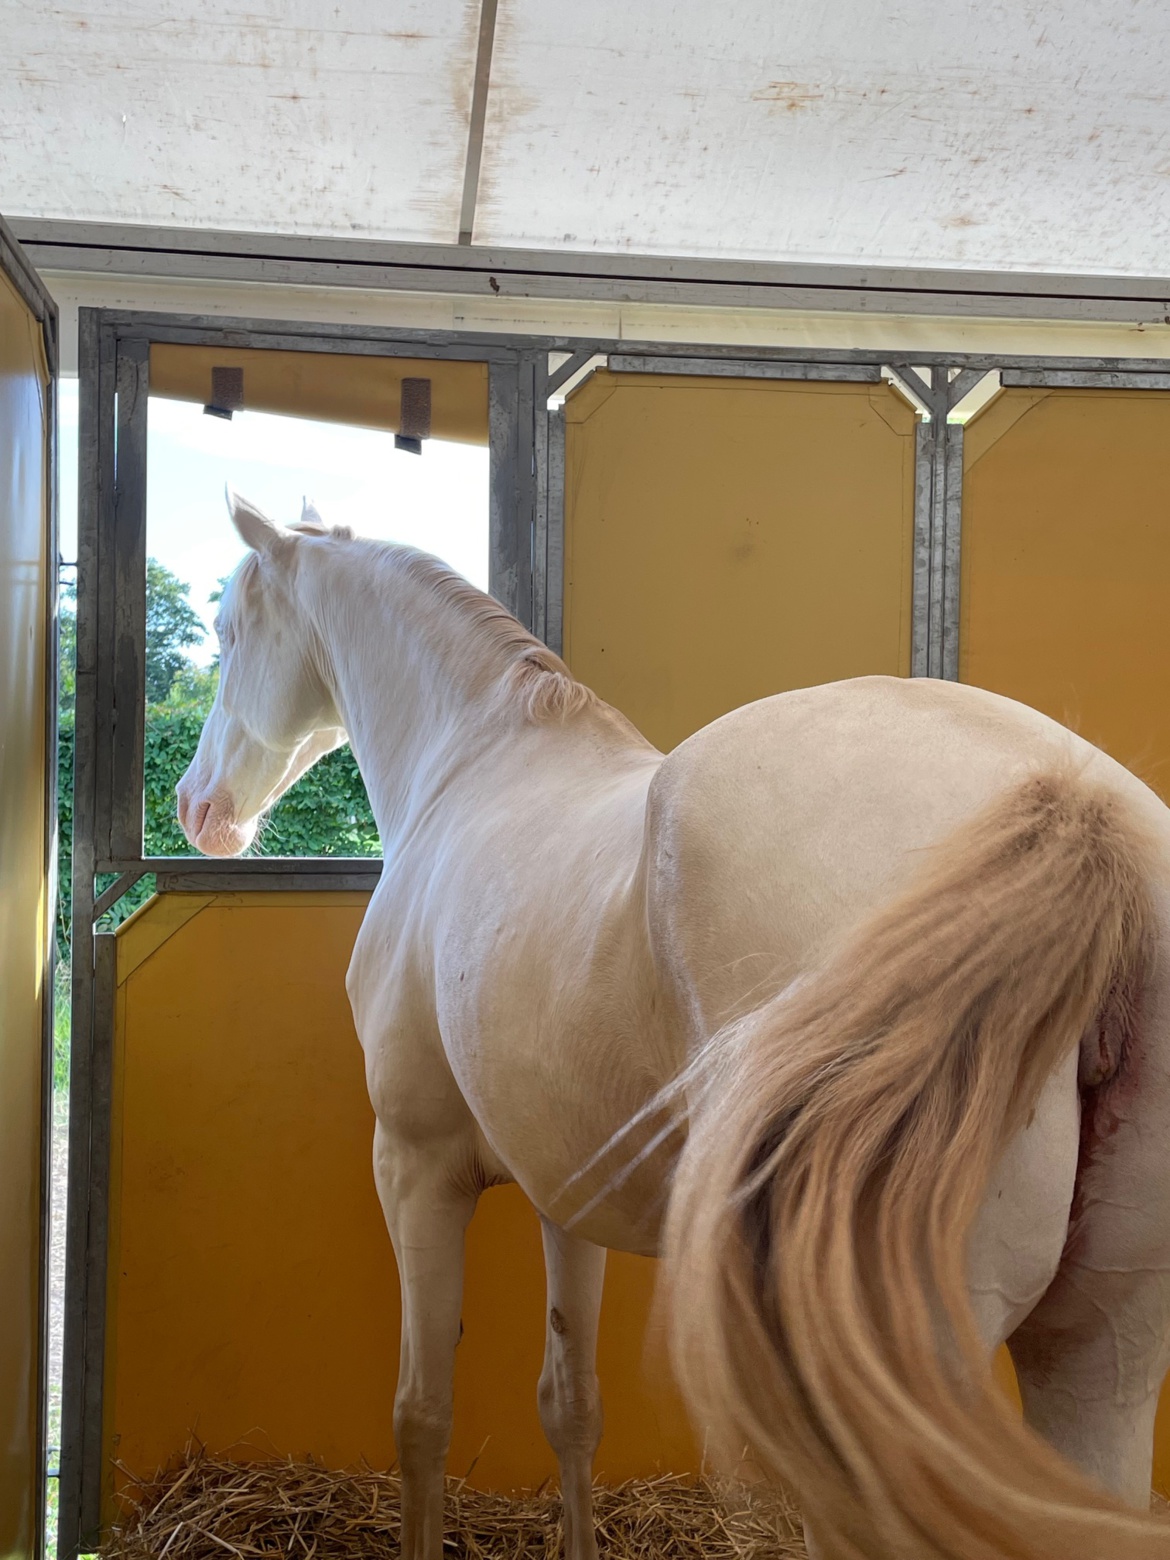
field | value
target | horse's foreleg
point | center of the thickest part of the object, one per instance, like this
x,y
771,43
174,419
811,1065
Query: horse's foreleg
x,y
427,1220
570,1400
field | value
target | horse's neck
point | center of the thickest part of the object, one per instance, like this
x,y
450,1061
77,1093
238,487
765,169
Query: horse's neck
x,y
407,679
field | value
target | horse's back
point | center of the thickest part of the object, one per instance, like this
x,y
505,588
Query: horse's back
x,y
778,828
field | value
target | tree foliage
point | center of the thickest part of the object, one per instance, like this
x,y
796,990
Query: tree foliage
x,y
172,628
327,812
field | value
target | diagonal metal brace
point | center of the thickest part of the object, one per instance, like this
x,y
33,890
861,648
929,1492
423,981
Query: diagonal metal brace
x,y
573,365
109,897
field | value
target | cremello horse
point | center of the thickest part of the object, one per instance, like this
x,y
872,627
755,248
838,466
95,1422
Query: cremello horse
x,y
856,1005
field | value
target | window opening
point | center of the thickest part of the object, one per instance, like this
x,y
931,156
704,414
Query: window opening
x,y
354,477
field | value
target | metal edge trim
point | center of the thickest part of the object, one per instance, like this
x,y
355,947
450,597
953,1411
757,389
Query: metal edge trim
x,y
467,261
17,264
1059,378
269,868
745,367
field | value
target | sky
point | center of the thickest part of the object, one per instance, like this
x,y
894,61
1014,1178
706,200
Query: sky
x,y
437,501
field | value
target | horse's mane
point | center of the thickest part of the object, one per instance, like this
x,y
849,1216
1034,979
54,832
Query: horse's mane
x,y
537,677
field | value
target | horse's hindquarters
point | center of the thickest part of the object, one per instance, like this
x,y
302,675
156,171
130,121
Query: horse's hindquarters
x,y
820,1233
776,831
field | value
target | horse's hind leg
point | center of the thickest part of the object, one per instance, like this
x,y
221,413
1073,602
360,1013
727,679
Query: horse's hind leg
x,y
1091,1356
570,1400
1087,1389
1016,1243
427,1218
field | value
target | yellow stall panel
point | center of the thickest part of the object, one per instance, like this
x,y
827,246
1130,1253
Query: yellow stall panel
x,y
728,539
1066,564
253,1295
24,906
1066,580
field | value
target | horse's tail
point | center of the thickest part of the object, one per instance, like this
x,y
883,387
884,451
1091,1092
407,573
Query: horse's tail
x,y
839,1152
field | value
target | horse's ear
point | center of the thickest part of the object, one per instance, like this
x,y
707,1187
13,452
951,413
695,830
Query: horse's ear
x,y
310,515
260,533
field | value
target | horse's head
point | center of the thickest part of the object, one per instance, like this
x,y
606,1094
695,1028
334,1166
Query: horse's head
x,y
273,715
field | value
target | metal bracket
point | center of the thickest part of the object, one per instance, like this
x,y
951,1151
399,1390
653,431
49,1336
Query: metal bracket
x,y
567,370
414,418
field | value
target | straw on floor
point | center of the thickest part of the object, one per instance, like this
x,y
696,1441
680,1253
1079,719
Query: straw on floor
x,y
204,1507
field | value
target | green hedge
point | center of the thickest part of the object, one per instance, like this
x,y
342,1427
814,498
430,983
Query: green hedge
x,y
327,812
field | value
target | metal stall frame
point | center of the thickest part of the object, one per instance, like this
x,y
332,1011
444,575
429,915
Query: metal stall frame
x,y
15,265
527,373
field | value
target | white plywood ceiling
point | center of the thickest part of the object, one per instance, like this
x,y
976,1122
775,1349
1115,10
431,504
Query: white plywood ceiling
x,y
990,134
276,116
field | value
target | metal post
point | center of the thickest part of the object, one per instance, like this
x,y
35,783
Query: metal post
x,y
950,548
507,578
80,1468
924,465
540,529
129,605
938,520
512,411
555,569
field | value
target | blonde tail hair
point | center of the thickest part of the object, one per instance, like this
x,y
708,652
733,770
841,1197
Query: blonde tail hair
x,y
817,1235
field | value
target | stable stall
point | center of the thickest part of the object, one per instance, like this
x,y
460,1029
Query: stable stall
x,y
791,367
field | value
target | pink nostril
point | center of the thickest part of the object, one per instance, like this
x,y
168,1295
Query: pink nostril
x,y
200,819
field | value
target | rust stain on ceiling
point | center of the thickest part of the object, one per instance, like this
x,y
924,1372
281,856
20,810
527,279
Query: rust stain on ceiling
x,y
791,95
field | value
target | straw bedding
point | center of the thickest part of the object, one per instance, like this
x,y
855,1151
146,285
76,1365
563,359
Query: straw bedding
x,y
203,1508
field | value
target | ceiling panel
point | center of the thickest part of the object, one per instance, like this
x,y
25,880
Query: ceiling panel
x,y
286,116
997,134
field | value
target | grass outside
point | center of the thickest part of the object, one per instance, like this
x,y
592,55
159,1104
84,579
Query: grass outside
x,y
59,1161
